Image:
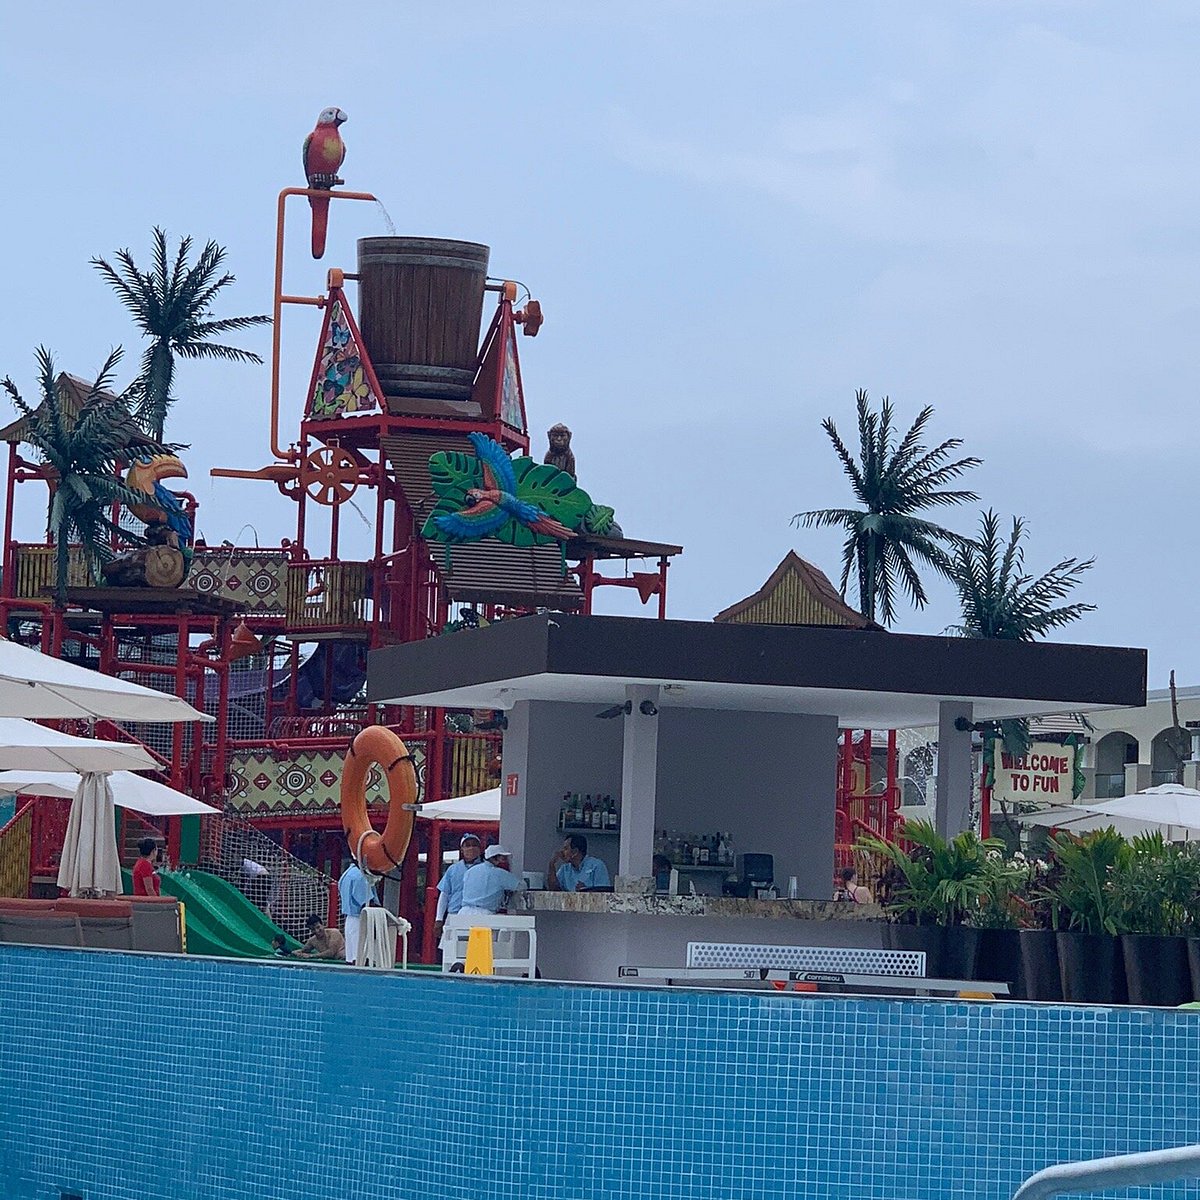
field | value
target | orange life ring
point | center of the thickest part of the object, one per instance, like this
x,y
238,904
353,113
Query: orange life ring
x,y
378,852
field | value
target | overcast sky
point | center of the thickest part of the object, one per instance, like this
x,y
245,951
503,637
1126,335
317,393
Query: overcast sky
x,y
733,214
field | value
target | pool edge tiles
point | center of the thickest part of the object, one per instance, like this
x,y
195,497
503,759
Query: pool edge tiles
x,y
163,1076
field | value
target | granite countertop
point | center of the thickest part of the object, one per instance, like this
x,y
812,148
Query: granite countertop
x,y
699,906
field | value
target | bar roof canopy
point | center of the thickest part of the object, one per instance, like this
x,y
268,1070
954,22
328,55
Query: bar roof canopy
x,y
867,678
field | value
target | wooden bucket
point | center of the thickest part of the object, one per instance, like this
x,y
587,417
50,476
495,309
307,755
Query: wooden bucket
x,y
420,306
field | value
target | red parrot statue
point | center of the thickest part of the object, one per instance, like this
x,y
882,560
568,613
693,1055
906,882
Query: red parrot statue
x,y
324,153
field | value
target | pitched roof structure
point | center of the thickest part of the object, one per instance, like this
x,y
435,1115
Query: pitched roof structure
x,y
797,593
72,393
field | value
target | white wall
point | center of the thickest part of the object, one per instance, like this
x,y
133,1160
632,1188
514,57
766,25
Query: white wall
x,y
767,778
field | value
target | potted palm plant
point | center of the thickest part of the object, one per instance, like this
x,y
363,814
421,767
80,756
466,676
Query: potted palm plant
x,y
1154,887
997,918
1082,890
1040,976
935,885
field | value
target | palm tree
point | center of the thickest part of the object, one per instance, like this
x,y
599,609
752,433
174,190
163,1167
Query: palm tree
x,y
171,305
998,599
83,451
892,482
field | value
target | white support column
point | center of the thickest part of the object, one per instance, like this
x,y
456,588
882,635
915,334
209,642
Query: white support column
x,y
515,761
955,778
639,782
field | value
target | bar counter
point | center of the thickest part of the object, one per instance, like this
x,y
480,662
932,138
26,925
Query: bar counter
x,y
699,906
589,936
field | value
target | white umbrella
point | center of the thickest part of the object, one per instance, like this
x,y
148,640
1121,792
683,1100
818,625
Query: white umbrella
x,y
33,684
1078,819
130,791
29,747
480,806
90,862
1169,804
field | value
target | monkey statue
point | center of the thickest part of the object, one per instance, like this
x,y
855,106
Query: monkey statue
x,y
560,454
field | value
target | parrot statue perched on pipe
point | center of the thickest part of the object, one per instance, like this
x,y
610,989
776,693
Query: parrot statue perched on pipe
x,y
324,153
145,475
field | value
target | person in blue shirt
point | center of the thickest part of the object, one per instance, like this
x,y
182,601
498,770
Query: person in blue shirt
x,y
450,885
573,869
485,886
354,894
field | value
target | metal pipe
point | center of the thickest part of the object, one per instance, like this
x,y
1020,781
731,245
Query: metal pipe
x,y
1117,1171
276,449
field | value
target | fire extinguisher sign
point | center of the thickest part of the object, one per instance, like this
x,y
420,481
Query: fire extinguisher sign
x,y
512,785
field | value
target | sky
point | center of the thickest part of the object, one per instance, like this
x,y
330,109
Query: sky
x,y
733,215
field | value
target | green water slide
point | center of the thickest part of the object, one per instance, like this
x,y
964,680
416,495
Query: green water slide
x,y
220,920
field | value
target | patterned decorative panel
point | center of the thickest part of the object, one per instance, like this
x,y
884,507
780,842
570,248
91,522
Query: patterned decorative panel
x,y
262,784
256,580
14,855
297,1082
343,381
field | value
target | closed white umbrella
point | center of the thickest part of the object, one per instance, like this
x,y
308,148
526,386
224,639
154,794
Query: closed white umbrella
x,y
29,747
480,806
136,792
33,684
90,862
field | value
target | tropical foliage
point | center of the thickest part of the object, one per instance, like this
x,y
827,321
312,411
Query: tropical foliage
x,y
942,880
1094,883
172,306
83,452
893,481
1081,889
455,473
998,598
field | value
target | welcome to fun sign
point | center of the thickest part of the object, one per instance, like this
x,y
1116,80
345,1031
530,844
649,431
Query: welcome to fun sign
x,y
1046,775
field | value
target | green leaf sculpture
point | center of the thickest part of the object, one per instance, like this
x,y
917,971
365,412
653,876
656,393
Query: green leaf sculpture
x,y
516,501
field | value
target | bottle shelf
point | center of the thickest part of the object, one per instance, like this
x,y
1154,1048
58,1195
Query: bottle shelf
x,y
727,869
586,829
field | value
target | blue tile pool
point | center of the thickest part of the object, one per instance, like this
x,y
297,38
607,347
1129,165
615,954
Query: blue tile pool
x,y
126,1075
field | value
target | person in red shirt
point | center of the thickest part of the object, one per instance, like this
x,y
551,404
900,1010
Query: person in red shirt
x,y
145,881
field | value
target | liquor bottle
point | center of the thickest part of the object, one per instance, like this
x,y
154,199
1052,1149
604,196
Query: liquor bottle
x,y
563,809
612,813
705,853
577,815
587,812
695,851
598,812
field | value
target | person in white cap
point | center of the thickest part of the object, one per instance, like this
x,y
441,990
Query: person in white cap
x,y
485,886
450,886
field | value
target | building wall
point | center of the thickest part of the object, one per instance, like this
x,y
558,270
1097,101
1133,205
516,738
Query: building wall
x,y
1144,725
162,1077
768,778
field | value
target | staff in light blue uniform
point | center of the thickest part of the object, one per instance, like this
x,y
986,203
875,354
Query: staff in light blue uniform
x,y
354,894
573,869
450,886
485,886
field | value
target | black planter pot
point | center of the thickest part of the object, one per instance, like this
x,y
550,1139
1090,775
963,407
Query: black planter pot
x,y
958,952
998,959
930,938
1193,953
1040,978
1156,969
1091,967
